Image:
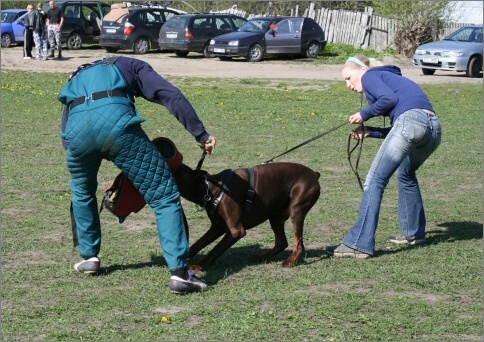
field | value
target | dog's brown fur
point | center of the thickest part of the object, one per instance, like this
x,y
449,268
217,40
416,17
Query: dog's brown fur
x,y
282,190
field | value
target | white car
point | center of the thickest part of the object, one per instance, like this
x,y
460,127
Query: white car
x,y
460,51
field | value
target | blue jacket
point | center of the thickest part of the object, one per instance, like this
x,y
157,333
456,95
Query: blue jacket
x,y
390,94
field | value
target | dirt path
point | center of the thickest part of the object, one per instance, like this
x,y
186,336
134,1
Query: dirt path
x,y
195,65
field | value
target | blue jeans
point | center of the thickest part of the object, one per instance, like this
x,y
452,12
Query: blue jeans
x,y
414,136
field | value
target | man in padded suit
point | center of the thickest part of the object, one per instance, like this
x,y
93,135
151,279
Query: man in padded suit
x,y
99,122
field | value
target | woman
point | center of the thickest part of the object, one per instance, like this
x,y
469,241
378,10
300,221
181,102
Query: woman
x,y
414,135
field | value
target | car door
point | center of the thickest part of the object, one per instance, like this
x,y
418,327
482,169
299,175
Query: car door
x,y
285,37
153,22
18,29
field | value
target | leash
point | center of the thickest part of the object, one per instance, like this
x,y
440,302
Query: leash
x,y
349,150
200,162
308,141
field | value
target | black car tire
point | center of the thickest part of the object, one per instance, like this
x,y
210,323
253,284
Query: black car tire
x,y
74,42
313,50
179,53
207,53
6,40
474,67
428,71
111,49
141,45
255,53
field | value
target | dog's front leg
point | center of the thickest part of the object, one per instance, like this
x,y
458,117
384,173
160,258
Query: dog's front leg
x,y
227,241
210,236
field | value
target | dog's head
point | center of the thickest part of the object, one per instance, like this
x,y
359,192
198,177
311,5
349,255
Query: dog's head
x,y
191,183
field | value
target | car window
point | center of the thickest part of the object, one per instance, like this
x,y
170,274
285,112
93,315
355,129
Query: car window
x,y
176,22
169,15
477,35
464,34
72,11
223,24
9,17
238,22
203,23
153,17
255,25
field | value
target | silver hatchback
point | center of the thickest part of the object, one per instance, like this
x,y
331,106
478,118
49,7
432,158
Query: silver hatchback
x,y
460,51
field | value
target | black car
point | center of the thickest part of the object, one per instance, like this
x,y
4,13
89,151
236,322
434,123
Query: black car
x,y
264,36
193,32
82,20
134,28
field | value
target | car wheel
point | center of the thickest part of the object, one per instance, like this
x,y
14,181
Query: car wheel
x,y
6,40
313,50
181,53
474,67
74,42
207,53
111,49
255,53
141,45
428,71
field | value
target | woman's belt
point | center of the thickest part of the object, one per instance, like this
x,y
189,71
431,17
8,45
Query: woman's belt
x,y
97,96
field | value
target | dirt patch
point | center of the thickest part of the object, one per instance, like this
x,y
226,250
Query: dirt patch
x,y
195,65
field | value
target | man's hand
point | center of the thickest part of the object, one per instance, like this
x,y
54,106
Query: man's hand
x,y
359,133
208,145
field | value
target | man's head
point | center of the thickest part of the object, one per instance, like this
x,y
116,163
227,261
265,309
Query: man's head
x,y
30,8
52,4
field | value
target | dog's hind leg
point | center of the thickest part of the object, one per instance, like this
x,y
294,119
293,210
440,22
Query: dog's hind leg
x,y
277,225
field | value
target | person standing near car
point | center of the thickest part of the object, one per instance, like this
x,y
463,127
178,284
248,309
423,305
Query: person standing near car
x,y
415,133
40,34
55,20
28,22
100,121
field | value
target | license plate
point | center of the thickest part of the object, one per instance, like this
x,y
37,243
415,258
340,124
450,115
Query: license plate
x,y
110,30
171,35
219,50
431,60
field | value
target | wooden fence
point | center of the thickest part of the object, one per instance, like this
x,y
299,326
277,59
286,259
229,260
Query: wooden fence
x,y
359,29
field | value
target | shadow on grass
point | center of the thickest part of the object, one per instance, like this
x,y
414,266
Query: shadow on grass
x,y
454,231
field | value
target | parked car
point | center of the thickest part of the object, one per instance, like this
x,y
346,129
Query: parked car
x,y
264,36
193,32
12,31
82,20
460,51
134,28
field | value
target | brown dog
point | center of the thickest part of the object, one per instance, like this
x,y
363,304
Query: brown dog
x,y
280,191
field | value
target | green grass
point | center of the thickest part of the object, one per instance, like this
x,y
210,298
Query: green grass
x,y
431,293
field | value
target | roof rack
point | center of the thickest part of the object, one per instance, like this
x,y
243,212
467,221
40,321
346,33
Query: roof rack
x,y
141,4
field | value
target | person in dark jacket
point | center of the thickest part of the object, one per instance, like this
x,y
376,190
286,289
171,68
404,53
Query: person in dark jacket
x,y
40,33
101,122
415,133
28,23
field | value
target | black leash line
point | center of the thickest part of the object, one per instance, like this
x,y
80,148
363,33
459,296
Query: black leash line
x,y
308,141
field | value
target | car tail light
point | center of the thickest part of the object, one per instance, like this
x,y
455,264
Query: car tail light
x,y
128,29
188,35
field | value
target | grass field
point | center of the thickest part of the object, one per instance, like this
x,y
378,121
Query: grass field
x,y
429,293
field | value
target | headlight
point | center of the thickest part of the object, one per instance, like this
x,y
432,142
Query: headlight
x,y
420,52
212,42
234,43
452,54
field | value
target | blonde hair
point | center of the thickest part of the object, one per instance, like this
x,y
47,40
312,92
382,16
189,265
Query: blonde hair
x,y
362,61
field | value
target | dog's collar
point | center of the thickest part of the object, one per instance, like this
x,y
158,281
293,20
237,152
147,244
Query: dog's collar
x,y
223,189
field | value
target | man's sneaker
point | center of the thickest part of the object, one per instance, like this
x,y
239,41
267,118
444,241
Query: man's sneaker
x,y
343,251
182,286
401,239
90,266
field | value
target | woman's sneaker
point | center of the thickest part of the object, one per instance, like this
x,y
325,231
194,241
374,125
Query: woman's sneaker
x,y
343,251
90,266
182,286
402,240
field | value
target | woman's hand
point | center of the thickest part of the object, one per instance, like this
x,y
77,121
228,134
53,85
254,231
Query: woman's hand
x,y
355,118
208,145
359,132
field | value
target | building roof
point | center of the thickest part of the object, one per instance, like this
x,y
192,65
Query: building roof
x,y
467,12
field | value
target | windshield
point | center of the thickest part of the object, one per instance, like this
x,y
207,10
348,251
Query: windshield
x,y
466,34
8,17
256,25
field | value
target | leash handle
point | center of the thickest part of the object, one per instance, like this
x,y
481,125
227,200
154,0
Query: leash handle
x,y
308,141
200,162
